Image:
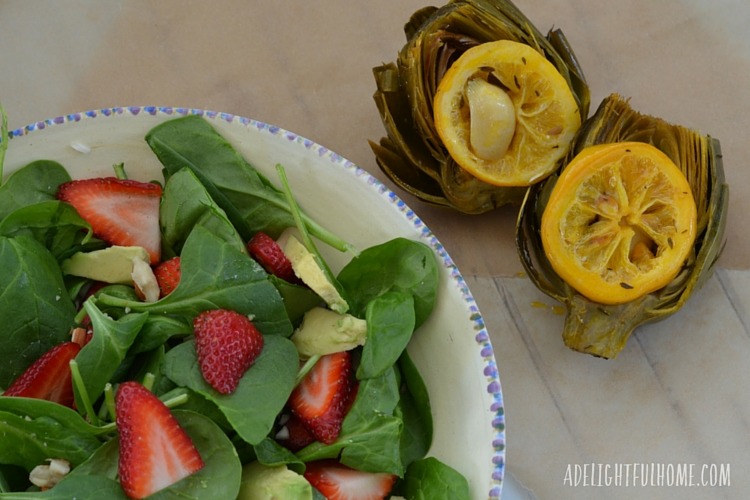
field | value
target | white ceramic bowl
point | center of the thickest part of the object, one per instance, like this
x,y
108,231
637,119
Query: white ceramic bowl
x,y
452,350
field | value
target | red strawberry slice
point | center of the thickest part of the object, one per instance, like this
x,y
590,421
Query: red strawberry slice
x,y
324,396
339,482
271,257
294,435
227,344
48,377
121,211
155,452
168,275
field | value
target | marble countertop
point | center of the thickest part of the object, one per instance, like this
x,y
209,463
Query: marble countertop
x,y
677,395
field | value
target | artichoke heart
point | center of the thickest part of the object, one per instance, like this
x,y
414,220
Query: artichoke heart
x,y
415,155
592,325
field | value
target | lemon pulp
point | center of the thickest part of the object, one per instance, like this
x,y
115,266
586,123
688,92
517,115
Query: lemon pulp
x,y
505,114
620,222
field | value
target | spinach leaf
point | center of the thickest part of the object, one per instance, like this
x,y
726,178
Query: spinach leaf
x,y
33,430
370,433
148,363
390,324
261,394
249,199
31,409
297,299
396,265
36,182
199,404
54,224
431,479
78,487
415,410
220,476
158,329
29,441
101,357
269,452
222,473
216,275
35,309
186,204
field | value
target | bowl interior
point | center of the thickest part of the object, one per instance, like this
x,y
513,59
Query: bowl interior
x,y
452,349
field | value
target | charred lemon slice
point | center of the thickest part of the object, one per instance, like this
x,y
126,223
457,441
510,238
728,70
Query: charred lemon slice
x,y
620,222
505,114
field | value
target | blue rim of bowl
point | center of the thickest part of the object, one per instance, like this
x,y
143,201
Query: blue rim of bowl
x,y
481,334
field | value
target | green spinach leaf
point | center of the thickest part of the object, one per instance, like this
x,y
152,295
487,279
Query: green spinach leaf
x,y
54,224
269,452
415,410
77,487
220,476
100,358
370,433
36,182
249,199
35,309
29,442
158,329
216,275
390,324
31,408
186,204
261,394
297,299
431,479
396,265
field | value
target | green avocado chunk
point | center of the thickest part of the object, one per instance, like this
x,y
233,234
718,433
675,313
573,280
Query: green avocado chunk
x,y
111,265
262,482
324,332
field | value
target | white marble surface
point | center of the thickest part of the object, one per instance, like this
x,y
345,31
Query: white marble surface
x,y
678,394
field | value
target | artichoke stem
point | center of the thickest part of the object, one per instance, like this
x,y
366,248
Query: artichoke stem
x,y
492,119
603,332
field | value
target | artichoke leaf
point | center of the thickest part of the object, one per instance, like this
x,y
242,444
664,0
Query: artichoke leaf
x,y
401,133
475,196
417,19
571,69
603,330
411,180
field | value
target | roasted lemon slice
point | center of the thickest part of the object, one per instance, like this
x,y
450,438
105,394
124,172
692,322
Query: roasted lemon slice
x,y
505,114
620,222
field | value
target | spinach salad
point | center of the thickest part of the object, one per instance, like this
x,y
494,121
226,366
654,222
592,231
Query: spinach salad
x,y
213,201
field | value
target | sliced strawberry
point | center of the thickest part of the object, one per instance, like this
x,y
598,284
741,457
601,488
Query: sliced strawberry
x,y
323,397
271,257
294,435
120,211
227,344
155,452
168,275
48,377
339,482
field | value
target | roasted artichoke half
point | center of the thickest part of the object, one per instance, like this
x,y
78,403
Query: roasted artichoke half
x,y
603,329
412,154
